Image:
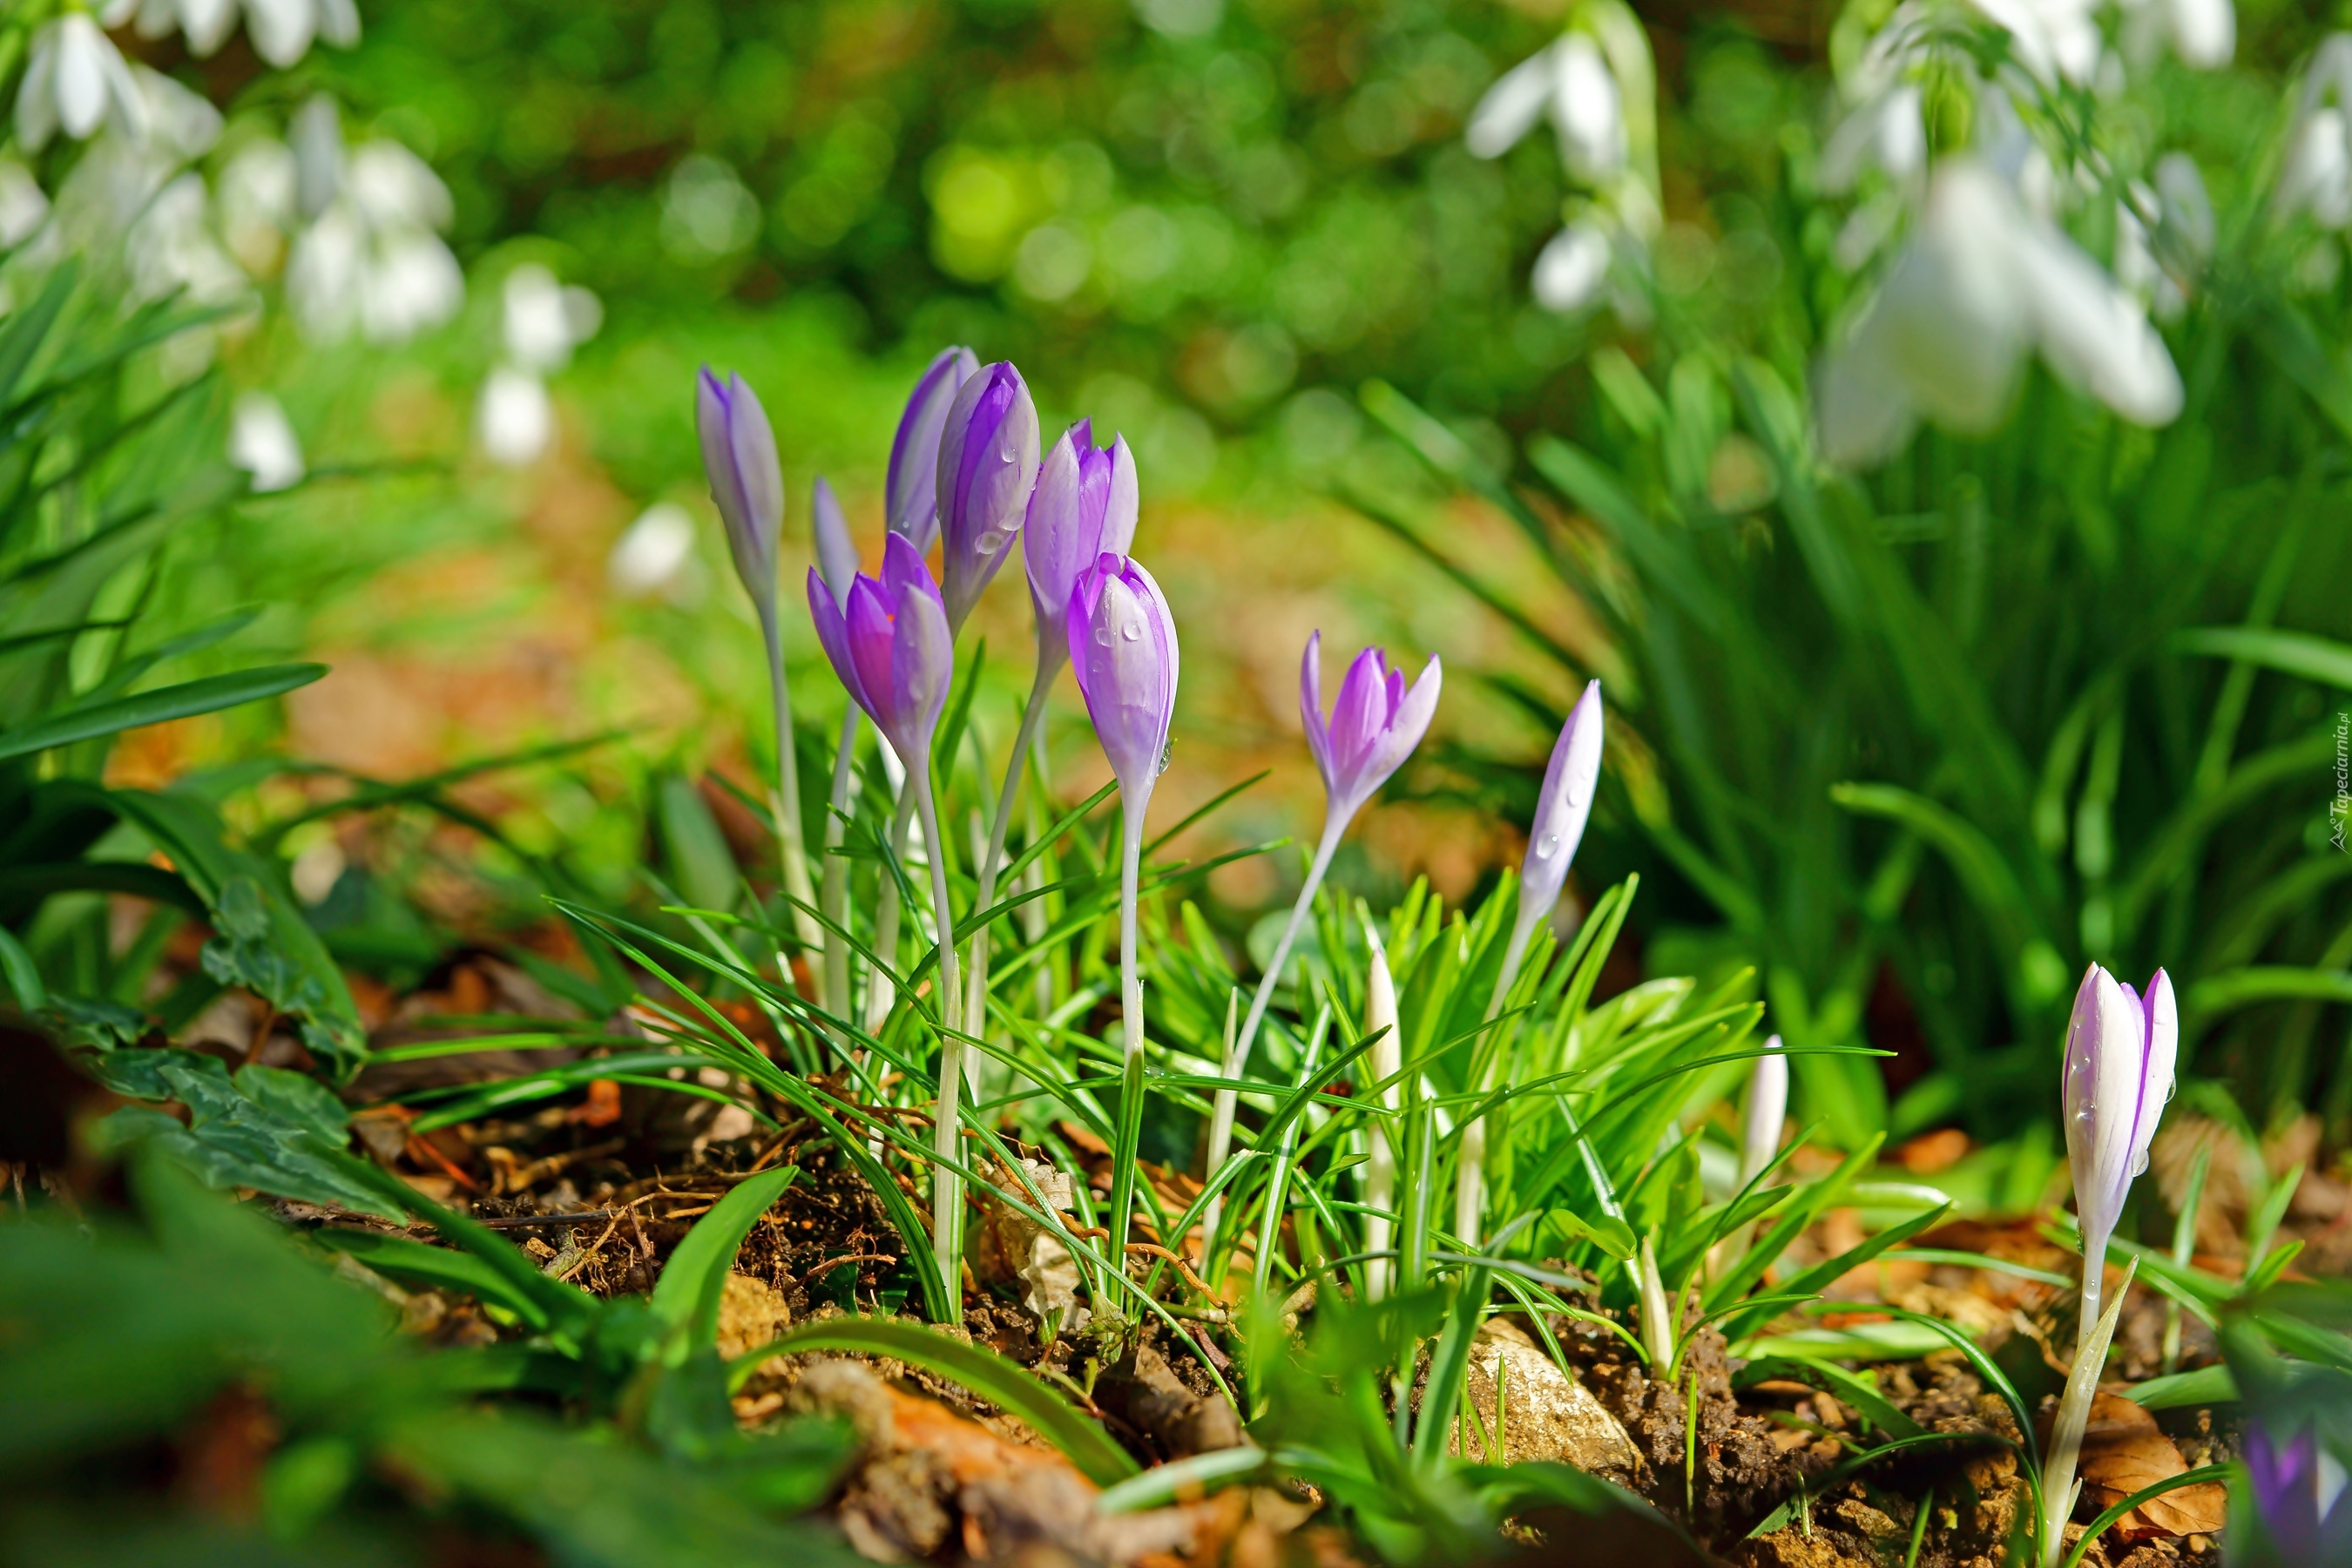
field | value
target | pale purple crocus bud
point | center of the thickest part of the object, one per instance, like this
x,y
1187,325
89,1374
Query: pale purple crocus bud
x,y
2297,1492
987,466
739,456
1082,509
836,554
910,493
1375,723
1564,805
1768,1108
1122,641
2119,1058
891,648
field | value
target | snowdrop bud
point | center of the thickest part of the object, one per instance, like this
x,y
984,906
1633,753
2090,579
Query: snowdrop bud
x,y
2118,1074
1573,268
988,467
23,206
74,77
1511,107
1768,1108
1375,723
1563,806
262,442
836,554
1123,645
517,419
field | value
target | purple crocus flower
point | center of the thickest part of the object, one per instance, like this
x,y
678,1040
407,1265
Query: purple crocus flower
x,y
1375,723
1122,641
2119,1056
1563,806
891,648
987,466
2299,1491
836,554
911,494
739,456
1083,508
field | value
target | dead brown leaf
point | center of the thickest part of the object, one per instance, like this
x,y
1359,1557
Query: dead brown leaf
x,y
2123,1453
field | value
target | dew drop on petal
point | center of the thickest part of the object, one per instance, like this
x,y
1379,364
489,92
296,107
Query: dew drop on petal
x,y
1132,631
1102,635
990,541
1167,753
1547,846
2140,1163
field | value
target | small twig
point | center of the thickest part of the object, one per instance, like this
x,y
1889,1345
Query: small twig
x,y
1153,1249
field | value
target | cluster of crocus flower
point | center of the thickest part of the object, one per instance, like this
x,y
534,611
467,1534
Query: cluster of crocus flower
x,y
965,478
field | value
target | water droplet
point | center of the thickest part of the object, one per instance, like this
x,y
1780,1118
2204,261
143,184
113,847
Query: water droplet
x,y
2140,1163
990,541
1132,631
1167,752
1547,846
1102,636
2086,1113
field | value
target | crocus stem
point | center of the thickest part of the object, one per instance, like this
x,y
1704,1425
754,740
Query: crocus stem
x,y
833,998
882,994
788,845
1220,1114
947,1184
2073,1417
975,1001
1130,1029
1470,1176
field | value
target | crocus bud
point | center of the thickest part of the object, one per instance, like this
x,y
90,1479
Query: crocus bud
x,y
2297,1493
1387,1056
911,494
988,465
1123,644
738,455
1564,805
1083,508
891,648
836,555
2119,1055
1375,723
1768,1108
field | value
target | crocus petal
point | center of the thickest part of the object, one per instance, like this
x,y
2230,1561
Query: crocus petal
x,y
910,494
1059,541
836,554
870,644
832,636
738,458
1358,715
1511,107
988,467
1564,804
1408,723
922,668
2160,1017
1123,503
1310,710
1123,647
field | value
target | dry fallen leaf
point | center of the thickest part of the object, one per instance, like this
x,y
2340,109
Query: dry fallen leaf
x,y
2123,1452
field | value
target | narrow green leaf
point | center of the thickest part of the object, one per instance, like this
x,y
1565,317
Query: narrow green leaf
x,y
207,695
686,1295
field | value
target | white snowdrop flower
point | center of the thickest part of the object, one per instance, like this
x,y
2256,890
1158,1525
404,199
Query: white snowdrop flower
x,y
394,186
414,285
1572,82
544,320
2203,33
1573,268
2316,176
23,206
254,194
262,442
171,248
654,556
516,419
2050,38
1983,283
1889,133
75,80
281,30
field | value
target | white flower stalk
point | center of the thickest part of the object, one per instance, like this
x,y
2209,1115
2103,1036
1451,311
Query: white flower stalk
x,y
2120,1051
75,81
1983,284
1387,1058
1562,808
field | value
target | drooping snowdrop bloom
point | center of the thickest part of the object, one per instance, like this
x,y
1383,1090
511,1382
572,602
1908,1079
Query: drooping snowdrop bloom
x,y
542,320
75,81
2203,33
262,442
282,30
1888,133
654,557
2050,38
171,251
987,467
1982,284
1563,805
23,205
1571,82
1571,271
910,493
372,258
254,196
2316,176
514,419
